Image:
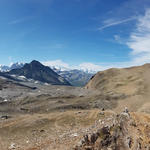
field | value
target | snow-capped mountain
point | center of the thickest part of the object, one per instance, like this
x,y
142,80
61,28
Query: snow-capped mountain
x,y
37,71
4,68
16,65
63,66
75,77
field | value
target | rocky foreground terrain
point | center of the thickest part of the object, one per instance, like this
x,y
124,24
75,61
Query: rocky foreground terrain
x,y
76,130
118,132
110,113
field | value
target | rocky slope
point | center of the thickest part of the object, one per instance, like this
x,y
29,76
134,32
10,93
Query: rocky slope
x,y
76,130
123,131
35,70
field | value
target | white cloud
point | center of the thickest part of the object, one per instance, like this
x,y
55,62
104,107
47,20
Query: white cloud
x,y
20,20
90,67
139,43
118,39
139,40
57,64
86,66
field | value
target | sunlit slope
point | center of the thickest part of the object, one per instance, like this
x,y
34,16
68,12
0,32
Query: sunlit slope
x,y
131,84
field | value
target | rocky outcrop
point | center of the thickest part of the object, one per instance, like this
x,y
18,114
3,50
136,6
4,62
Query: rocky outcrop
x,y
118,134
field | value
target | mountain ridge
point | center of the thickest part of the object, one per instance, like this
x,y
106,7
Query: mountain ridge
x,y
5,68
35,70
77,77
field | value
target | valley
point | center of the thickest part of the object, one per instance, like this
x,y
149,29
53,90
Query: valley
x,y
74,75
43,116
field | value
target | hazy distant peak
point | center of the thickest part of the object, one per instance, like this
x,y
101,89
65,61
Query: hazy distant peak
x,y
37,71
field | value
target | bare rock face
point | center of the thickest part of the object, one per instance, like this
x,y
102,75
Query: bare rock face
x,y
35,70
116,136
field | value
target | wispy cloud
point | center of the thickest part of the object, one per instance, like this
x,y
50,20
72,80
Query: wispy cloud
x,y
118,39
86,66
139,40
139,43
53,46
111,22
90,67
57,64
20,20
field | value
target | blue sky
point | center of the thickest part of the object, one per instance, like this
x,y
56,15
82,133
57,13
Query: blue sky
x,y
94,34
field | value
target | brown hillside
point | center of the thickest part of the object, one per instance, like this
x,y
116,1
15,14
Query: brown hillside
x,y
131,84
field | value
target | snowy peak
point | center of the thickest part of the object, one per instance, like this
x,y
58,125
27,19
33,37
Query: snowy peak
x,y
4,68
37,71
77,76
16,65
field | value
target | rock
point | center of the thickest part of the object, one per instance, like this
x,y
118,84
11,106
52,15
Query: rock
x,y
4,117
74,135
115,134
147,148
104,131
86,139
5,100
139,146
77,148
133,123
101,113
12,146
126,110
80,143
88,148
42,130
129,142
93,138
103,109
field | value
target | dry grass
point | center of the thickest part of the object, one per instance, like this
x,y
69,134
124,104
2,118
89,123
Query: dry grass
x,y
41,128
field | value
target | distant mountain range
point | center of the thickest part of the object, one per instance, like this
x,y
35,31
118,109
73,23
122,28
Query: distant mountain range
x,y
4,68
35,70
74,77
